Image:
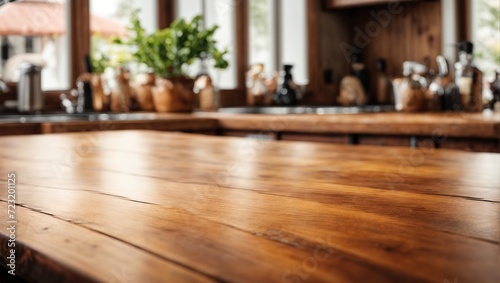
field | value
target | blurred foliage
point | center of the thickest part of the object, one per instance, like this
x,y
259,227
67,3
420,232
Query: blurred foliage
x,y
259,21
168,50
109,53
98,59
489,20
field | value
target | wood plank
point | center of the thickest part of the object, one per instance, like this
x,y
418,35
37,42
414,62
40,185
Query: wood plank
x,y
283,241
49,249
204,245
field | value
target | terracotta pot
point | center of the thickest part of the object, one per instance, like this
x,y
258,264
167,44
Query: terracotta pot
x,y
144,92
121,92
173,95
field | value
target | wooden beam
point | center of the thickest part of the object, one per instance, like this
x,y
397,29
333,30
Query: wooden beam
x,y
79,15
166,13
242,52
464,20
314,51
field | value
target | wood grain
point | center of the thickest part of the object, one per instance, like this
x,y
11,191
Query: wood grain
x,y
429,124
204,208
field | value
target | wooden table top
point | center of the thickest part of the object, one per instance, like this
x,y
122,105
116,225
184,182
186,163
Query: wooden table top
x,y
145,206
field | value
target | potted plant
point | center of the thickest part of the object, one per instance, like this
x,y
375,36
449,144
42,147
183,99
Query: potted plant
x,y
168,52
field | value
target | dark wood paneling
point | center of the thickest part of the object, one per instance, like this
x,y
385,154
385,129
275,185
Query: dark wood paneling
x,y
314,94
188,125
476,145
384,140
19,129
414,34
326,138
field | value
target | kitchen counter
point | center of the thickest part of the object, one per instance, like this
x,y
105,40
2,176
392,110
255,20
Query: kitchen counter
x,y
461,131
152,121
147,206
471,125
446,124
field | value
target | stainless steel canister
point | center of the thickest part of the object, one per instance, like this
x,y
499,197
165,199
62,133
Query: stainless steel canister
x,y
29,92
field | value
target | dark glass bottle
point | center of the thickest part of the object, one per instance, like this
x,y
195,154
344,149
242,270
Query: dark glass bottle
x,y
450,99
495,90
288,93
385,93
359,71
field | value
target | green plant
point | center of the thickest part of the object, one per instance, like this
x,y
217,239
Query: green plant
x,y
108,53
98,60
169,50
488,36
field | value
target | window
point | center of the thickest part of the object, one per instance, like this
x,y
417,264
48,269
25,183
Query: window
x,y
262,34
293,25
278,36
110,19
486,36
221,13
36,31
277,33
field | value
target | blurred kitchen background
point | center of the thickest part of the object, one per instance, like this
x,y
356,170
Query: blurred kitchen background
x,y
317,38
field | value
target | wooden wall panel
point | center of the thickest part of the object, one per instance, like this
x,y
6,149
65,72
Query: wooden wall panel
x,y
413,34
335,29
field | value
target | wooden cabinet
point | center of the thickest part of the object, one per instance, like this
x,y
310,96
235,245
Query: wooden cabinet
x,y
326,138
379,140
462,144
475,145
19,129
